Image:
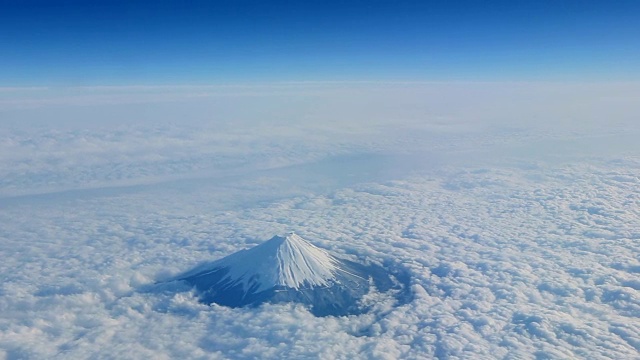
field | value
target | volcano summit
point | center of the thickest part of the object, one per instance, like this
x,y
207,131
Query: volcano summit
x,y
290,269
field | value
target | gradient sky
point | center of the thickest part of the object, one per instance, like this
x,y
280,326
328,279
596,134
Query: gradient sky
x,y
201,42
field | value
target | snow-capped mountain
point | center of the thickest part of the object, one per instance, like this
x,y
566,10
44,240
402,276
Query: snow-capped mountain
x,y
289,269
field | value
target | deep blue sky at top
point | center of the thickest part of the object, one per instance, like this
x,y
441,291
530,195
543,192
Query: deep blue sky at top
x,y
97,42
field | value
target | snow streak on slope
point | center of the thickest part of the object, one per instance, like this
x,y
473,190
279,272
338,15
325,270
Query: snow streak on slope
x,y
282,261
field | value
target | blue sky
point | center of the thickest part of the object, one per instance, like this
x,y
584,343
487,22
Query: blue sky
x,y
202,42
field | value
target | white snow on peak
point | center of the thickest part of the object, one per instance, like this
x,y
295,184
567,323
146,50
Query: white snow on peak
x,y
288,261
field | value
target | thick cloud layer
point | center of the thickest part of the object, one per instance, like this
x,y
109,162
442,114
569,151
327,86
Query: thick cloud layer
x,y
520,242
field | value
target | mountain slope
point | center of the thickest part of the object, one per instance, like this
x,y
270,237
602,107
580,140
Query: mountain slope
x,y
289,269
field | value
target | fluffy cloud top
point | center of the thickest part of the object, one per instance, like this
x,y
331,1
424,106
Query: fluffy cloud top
x,y
521,238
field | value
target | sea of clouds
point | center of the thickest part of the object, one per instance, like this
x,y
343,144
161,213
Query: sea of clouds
x,y
514,207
